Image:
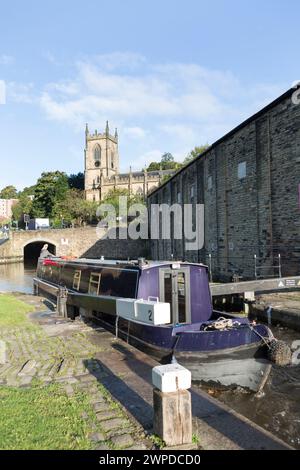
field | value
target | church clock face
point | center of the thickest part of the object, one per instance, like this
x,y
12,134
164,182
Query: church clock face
x,y
97,163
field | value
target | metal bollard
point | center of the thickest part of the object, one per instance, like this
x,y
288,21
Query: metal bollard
x,y
172,406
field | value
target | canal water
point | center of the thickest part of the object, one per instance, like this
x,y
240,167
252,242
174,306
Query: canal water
x,y
16,277
277,410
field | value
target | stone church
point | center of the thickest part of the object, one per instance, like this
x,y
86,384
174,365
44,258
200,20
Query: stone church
x,y
102,173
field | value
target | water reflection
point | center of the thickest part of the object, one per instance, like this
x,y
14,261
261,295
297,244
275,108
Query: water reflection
x,y
16,277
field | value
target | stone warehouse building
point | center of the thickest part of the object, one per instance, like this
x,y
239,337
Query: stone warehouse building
x,y
102,174
249,183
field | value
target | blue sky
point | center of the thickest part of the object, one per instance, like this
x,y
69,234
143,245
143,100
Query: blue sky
x,y
169,74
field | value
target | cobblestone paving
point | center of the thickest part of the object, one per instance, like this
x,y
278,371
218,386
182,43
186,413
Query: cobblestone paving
x,y
61,351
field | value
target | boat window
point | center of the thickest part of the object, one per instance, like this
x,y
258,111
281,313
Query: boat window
x,y
174,289
55,274
119,282
76,279
48,273
181,297
168,291
94,283
67,276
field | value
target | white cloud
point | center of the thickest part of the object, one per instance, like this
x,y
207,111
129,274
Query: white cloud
x,y
146,158
21,92
6,59
2,92
134,132
50,58
119,60
126,87
178,104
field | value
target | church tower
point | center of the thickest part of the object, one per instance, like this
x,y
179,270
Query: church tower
x,y
101,158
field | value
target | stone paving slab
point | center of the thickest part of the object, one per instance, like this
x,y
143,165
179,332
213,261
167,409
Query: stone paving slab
x,y
123,441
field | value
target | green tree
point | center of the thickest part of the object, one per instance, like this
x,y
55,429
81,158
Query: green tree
x,y
74,209
154,166
113,195
76,181
194,153
23,206
167,157
167,162
165,178
9,192
28,191
50,188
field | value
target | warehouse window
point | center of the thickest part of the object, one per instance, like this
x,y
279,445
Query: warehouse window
x,y
242,170
209,182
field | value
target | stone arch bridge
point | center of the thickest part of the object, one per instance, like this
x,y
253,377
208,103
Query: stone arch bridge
x,y
78,242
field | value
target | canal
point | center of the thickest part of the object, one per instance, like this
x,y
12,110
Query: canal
x,y
16,277
277,409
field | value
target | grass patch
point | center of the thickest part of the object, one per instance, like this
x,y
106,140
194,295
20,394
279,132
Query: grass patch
x,y
157,441
13,312
43,418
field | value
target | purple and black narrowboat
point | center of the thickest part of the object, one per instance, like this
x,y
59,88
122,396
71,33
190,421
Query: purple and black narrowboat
x,y
228,352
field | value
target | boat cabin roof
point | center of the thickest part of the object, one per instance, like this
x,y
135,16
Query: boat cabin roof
x,y
140,263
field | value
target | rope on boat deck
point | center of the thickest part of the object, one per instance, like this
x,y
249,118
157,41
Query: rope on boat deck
x,y
173,359
270,338
222,323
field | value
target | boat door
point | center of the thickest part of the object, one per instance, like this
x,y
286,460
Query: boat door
x,y
174,288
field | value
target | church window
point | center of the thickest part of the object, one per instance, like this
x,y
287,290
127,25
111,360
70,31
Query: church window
x,y
98,179
97,153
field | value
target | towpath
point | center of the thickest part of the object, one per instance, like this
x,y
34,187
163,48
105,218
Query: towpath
x,y
85,356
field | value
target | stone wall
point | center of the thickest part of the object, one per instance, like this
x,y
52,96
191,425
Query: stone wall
x,y
257,214
140,183
77,242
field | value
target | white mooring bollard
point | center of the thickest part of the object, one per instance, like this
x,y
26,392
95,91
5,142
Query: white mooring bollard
x,y
172,404
3,352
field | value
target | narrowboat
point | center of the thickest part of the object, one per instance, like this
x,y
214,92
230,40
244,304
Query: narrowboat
x,y
165,309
